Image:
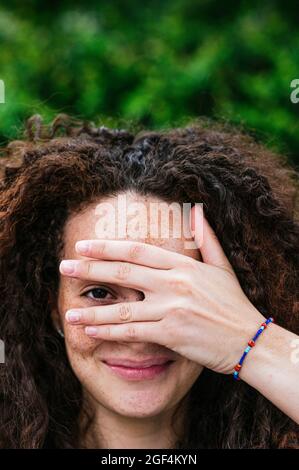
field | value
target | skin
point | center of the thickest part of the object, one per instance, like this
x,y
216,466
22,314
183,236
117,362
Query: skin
x,y
182,312
126,414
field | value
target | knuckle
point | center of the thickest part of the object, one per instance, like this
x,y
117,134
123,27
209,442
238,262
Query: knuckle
x,y
136,251
179,309
180,283
193,266
101,249
122,271
187,262
92,316
125,312
88,268
107,331
131,332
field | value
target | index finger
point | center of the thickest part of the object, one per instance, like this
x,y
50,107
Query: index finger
x,y
131,251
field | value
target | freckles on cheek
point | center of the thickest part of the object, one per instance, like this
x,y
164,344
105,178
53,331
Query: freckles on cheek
x,y
77,341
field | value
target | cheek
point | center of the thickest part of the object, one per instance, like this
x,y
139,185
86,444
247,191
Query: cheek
x,y
81,351
77,342
75,338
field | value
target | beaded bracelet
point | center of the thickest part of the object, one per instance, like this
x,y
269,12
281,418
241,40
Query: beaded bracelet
x,y
251,343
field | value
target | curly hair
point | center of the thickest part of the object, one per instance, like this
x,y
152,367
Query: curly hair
x,y
250,198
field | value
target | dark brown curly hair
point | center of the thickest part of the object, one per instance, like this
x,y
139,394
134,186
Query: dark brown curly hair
x,y
250,199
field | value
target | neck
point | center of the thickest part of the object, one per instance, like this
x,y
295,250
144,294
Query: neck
x,y
110,430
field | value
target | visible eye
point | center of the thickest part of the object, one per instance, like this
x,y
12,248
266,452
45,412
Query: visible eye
x,y
99,293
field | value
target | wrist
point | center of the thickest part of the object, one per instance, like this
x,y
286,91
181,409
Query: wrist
x,y
258,365
246,329
253,339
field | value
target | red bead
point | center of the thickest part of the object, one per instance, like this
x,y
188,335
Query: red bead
x,y
238,367
251,343
264,325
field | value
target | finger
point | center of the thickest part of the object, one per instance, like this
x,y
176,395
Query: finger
x,y
147,332
125,274
206,239
117,313
131,251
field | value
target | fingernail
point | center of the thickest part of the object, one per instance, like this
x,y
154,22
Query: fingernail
x,y
73,315
68,267
91,331
83,246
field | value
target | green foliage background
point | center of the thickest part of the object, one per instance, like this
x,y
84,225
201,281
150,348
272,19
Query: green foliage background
x,y
158,62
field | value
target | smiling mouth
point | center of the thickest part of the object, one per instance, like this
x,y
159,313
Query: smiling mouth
x,y
139,371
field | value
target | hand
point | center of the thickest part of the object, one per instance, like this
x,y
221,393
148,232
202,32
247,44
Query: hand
x,y
197,309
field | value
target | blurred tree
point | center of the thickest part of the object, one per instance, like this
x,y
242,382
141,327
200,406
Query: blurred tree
x,y
159,62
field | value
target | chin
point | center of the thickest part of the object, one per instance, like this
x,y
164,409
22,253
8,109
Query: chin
x,y
133,398
139,404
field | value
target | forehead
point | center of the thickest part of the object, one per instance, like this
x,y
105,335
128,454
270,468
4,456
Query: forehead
x,y
131,216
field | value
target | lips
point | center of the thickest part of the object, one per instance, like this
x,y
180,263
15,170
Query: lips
x,y
154,361
152,368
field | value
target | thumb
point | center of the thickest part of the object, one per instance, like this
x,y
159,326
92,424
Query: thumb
x,y
206,239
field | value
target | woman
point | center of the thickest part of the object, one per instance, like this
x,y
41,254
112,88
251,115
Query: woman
x,y
116,341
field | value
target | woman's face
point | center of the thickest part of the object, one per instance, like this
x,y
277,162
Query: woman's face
x,y
127,397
